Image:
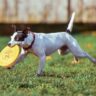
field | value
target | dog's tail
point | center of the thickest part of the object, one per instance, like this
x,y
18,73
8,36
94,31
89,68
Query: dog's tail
x,y
70,25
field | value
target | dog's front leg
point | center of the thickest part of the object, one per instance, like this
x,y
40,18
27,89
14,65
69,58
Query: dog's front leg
x,y
41,65
22,55
20,58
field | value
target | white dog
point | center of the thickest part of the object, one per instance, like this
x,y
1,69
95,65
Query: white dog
x,y
43,45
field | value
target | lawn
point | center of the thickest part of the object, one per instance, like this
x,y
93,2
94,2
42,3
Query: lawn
x,y
62,78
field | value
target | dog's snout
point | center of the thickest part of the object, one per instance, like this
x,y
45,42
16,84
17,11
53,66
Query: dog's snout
x,y
9,44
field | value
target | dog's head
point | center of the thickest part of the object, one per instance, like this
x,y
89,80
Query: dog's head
x,y
18,37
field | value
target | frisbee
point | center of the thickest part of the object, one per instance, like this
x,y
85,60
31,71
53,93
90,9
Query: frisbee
x,y
9,55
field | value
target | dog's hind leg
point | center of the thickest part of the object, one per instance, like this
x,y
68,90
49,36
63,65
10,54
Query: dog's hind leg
x,y
86,55
64,50
78,52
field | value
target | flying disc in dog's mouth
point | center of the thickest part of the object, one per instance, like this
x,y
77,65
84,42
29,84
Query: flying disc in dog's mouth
x,y
9,55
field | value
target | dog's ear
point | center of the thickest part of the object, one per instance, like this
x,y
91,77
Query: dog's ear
x,y
26,30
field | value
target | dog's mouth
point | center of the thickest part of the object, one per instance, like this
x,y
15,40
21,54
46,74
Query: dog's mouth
x,y
10,45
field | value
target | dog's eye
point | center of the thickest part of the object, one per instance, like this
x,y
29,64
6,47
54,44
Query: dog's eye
x,y
16,38
19,38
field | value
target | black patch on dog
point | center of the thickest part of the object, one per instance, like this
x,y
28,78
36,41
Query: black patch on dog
x,y
20,36
68,31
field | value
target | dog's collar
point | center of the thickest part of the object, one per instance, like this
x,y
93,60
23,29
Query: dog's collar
x,y
30,46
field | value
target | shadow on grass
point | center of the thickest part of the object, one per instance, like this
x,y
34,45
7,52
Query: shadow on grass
x,y
54,75
41,78
26,85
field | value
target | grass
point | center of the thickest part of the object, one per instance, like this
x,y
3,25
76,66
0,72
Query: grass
x,y
62,77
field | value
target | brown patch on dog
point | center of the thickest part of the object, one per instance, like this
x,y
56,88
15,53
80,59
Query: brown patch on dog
x,y
63,50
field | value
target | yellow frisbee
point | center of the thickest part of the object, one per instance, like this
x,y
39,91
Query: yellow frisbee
x,y
9,55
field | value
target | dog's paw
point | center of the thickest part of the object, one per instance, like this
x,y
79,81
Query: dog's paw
x,y
75,62
40,74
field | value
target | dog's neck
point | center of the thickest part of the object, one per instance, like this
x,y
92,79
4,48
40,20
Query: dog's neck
x,y
30,46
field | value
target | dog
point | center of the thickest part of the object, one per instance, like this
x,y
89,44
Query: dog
x,y
42,45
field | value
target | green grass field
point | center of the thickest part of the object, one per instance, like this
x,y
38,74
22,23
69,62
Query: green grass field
x,y
62,77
